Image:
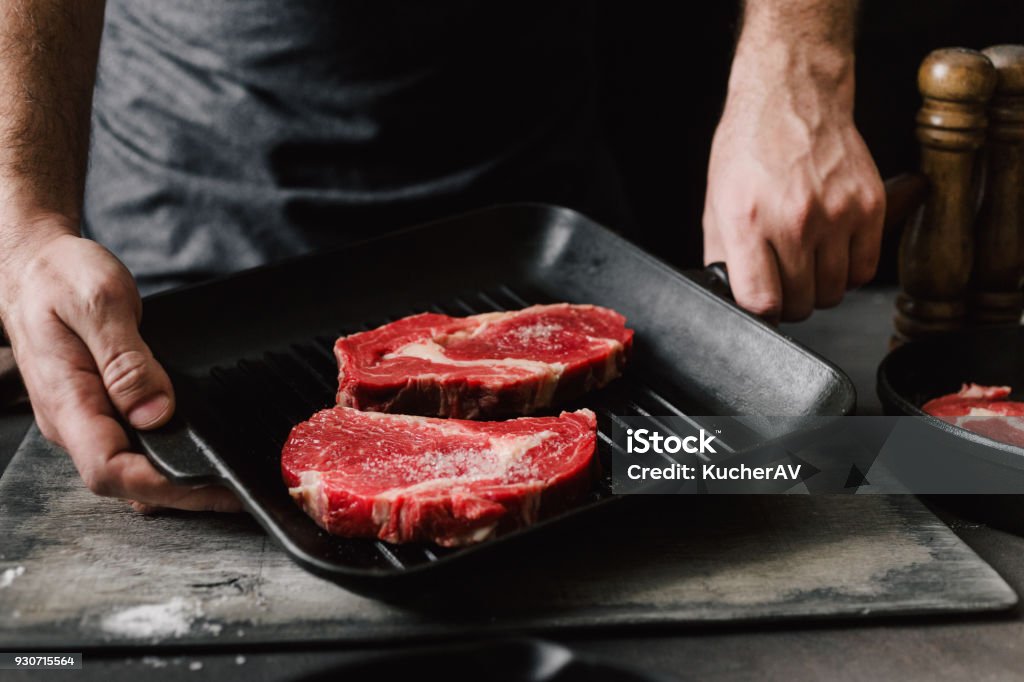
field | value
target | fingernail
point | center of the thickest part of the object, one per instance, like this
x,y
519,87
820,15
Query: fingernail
x,y
149,411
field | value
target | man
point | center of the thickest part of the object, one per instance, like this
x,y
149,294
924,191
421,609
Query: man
x,y
231,132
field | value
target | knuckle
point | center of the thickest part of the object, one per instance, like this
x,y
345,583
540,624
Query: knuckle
x,y
740,217
41,267
125,373
102,293
798,217
99,481
749,215
873,202
763,305
837,206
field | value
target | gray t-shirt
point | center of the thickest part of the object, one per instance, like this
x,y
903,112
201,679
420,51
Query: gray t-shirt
x,y
229,133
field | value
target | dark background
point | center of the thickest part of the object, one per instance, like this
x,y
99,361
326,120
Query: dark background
x,y
666,76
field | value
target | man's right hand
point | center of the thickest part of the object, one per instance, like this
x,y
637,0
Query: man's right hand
x,y
71,311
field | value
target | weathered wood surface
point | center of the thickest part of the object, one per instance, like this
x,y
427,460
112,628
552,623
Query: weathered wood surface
x,y
76,570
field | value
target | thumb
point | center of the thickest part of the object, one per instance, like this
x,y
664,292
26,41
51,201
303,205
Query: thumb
x,y
135,382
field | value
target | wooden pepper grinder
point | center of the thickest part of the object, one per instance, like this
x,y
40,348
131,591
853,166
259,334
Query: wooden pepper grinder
x,y
936,251
999,235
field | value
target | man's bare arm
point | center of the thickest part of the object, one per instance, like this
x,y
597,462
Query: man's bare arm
x,y
69,307
48,52
794,203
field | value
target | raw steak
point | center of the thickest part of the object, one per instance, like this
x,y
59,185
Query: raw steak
x,y
453,482
984,410
484,365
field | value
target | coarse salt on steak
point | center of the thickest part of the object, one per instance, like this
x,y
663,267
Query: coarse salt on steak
x,y
419,479
504,363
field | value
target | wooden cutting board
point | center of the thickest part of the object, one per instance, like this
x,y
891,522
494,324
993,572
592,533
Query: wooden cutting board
x,y
79,571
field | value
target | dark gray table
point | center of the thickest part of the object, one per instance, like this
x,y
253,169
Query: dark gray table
x,y
855,336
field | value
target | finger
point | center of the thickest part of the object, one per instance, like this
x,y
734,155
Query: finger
x,y
150,491
865,250
109,468
866,243
102,452
714,250
68,390
797,274
831,262
136,383
44,373
754,276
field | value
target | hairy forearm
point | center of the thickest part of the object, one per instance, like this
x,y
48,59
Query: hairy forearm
x,y
814,22
794,203
48,51
802,44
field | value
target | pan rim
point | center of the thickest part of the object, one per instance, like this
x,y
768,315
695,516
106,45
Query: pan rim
x,y
889,394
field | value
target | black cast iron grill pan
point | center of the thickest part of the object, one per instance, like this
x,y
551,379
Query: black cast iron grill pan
x,y
250,356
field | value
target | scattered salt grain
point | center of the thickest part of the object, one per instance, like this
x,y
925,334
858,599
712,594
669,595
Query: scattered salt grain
x,y
239,660
154,662
213,628
539,332
8,575
195,666
170,619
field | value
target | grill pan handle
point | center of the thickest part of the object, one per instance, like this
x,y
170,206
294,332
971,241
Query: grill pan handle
x,y
903,195
718,279
174,449
177,455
